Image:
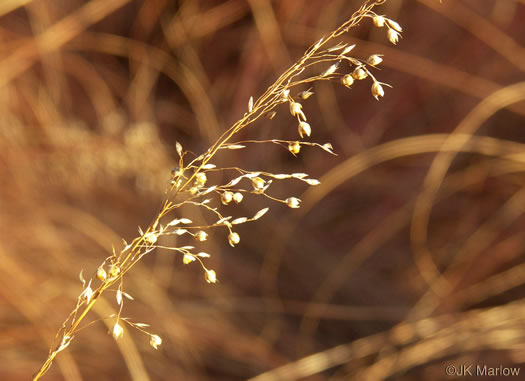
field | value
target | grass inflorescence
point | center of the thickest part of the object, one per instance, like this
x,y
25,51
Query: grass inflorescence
x,y
329,59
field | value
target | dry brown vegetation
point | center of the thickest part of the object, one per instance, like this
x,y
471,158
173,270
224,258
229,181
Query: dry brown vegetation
x,y
405,259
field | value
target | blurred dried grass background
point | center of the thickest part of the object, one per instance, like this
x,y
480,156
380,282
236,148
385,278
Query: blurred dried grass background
x,y
94,96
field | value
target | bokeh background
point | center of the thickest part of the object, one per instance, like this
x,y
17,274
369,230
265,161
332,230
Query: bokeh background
x,y
358,283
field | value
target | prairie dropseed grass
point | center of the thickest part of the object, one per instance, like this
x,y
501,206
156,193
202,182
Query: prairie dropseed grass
x,y
328,59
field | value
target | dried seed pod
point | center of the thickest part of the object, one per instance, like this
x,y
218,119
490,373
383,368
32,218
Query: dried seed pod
x,y
359,73
331,70
234,239
114,270
304,129
294,147
155,341
101,274
377,90
296,109
237,197
379,21
188,258
201,235
292,202
210,276
151,238
258,183
226,197
118,331
305,94
374,59
200,179
394,25
393,36
347,80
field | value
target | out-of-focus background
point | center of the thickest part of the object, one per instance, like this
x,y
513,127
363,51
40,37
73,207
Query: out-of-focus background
x,y
401,263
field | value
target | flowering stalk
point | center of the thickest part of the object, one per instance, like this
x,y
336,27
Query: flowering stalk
x,y
189,180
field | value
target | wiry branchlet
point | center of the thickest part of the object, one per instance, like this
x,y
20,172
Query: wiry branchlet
x,y
294,147
292,202
359,73
155,341
347,80
379,21
101,274
118,331
226,197
210,276
201,235
377,90
374,59
393,36
304,129
258,183
237,197
233,239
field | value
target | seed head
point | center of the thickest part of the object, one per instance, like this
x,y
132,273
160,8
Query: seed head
x,y
210,276
359,73
377,90
374,59
118,331
155,341
393,36
292,202
201,235
188,258
379,21
101,274
194,191
258,183
304,129
226,197
347,80
294,147
237,197
234,239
